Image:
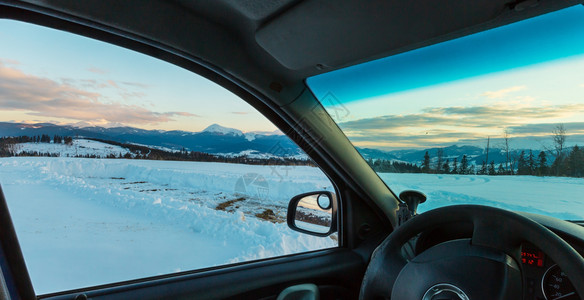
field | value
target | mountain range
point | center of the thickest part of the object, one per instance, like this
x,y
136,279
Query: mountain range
x,y
475,155
217,139
214,139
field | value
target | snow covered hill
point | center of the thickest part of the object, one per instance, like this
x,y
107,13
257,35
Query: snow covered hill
x,y
79,147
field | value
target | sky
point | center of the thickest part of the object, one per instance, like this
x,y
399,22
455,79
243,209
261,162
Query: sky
x,y
51,76
523,79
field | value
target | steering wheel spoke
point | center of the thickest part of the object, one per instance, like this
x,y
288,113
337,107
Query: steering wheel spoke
x,y
487,233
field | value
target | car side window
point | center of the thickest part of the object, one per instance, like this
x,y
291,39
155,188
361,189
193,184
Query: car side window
x,y
117,166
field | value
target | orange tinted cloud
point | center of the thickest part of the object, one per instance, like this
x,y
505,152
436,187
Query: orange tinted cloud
x,y
48,98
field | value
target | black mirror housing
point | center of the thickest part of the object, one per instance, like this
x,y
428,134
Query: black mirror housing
x,y
313,213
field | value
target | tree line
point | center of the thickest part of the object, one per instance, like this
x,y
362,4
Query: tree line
x,y
387,166
43,138
570,164
565,161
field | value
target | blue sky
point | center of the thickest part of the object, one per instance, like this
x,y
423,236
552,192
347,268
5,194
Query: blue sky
x,y
52,76
524,78
537,40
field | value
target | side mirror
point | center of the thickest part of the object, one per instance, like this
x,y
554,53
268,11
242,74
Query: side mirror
x,y
313,213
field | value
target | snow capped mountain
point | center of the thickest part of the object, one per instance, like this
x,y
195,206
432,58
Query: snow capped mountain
x,y
216,128
214,139
250,136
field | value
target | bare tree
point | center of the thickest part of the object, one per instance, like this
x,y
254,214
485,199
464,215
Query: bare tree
x,y
439,160
559,136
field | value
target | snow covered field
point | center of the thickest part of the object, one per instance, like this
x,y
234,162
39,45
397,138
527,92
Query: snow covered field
x,y
84,222
560,197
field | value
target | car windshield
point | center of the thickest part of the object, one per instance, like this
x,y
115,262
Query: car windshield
x,y
495,118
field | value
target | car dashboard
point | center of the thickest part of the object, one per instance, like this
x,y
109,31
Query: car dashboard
x,y
542,278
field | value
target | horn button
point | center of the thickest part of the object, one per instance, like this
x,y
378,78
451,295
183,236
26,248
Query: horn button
x,y
445,291
457,270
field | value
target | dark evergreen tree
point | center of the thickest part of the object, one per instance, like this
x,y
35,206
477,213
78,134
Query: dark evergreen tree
x,y
492,168
439,160
501,170
426,163
531,163
45,138
454,166
464,165
576,162
483,169
446,167
522,168
542,164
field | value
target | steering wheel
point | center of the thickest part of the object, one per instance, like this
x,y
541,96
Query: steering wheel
x,y
486,267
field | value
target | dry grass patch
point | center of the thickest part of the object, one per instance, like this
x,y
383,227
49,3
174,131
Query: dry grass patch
x,y
269,215
224,205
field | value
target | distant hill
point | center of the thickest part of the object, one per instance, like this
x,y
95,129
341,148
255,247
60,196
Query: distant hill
x,y
231,142
475,155
215,139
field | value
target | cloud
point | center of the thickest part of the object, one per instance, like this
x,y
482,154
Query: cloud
x,y
503,92
112,83
475,116
48,98
9,62
546,128
240,112
103,84
97,70
135,84
450,125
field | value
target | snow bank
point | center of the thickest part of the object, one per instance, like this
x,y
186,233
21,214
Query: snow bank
x,y
83,222
281,182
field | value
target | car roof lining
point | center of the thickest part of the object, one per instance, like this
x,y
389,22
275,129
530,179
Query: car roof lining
x,y
333,34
